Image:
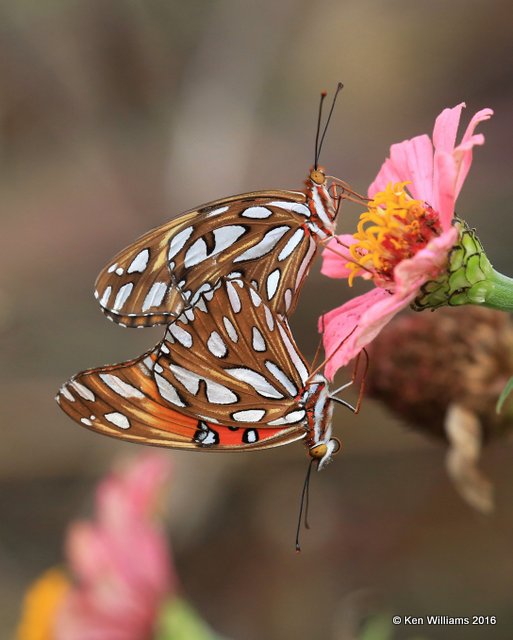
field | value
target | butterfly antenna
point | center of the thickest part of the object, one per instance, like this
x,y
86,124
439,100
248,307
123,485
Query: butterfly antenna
x,y
303,507
318,147
318,131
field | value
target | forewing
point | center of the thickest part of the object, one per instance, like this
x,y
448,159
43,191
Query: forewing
x,y
123,401
261,236
231,360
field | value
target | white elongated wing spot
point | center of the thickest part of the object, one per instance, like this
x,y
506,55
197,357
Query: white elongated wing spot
x,y
216,345
154,296
226,236
112,267
269,318
83,391
255,380
118,419
167,391
189,379
249,415
296,207
307,260
258,341
196,253
65,392
255,298
266,245
216,212
121,387
219,394
288,299
230,330
105,297
122,296
291,418
178,241
273,280
183,336
257,213
294,356
233,297
200,305
86,421
291,244
282,377
140,262
189,314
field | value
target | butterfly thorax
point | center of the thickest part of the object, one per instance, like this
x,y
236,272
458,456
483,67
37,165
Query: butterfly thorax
x,y
319,410
320,203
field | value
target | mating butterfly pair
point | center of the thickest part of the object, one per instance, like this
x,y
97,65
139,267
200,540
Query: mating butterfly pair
x,y
227,375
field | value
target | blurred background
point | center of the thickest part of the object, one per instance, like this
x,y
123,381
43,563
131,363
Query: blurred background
x,y
116,116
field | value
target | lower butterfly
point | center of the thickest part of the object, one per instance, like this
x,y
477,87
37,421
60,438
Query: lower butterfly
x,y
227,376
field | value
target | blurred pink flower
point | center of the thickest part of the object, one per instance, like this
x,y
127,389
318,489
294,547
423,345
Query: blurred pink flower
x,y
120,561
410,237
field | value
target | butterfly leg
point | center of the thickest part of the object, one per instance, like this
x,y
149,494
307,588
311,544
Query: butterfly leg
x,y
333,396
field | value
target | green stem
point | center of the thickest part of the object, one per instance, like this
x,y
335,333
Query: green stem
x,y
495,292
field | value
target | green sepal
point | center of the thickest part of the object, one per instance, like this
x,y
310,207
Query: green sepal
x,y
179,621
468,279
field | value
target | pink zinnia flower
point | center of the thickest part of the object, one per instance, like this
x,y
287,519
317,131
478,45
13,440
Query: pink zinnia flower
x,y
404,239
120,562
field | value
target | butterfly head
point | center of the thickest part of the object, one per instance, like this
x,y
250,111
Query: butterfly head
x,y
317,176
319,410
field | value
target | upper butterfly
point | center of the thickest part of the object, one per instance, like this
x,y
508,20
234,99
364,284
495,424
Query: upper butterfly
x,y
268,238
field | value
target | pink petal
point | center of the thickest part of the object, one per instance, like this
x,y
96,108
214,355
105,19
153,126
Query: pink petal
x,y
412,161
386,174
446,128
361,319
335,257
341,327
448,180
132,492
444,197
121,562
464,151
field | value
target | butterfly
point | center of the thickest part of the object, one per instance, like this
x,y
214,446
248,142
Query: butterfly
x,y
268,238
227,376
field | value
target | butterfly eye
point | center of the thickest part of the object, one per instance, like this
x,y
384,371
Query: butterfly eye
x,y
337,445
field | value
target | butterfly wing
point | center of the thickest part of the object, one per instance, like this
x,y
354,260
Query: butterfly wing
x,y
124,401
231,360
261,236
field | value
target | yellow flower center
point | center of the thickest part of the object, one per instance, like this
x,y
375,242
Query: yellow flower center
x,y
40,606
394,228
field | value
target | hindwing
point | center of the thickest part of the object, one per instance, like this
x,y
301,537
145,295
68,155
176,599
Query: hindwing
x,y
124,401
231,360
262,236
